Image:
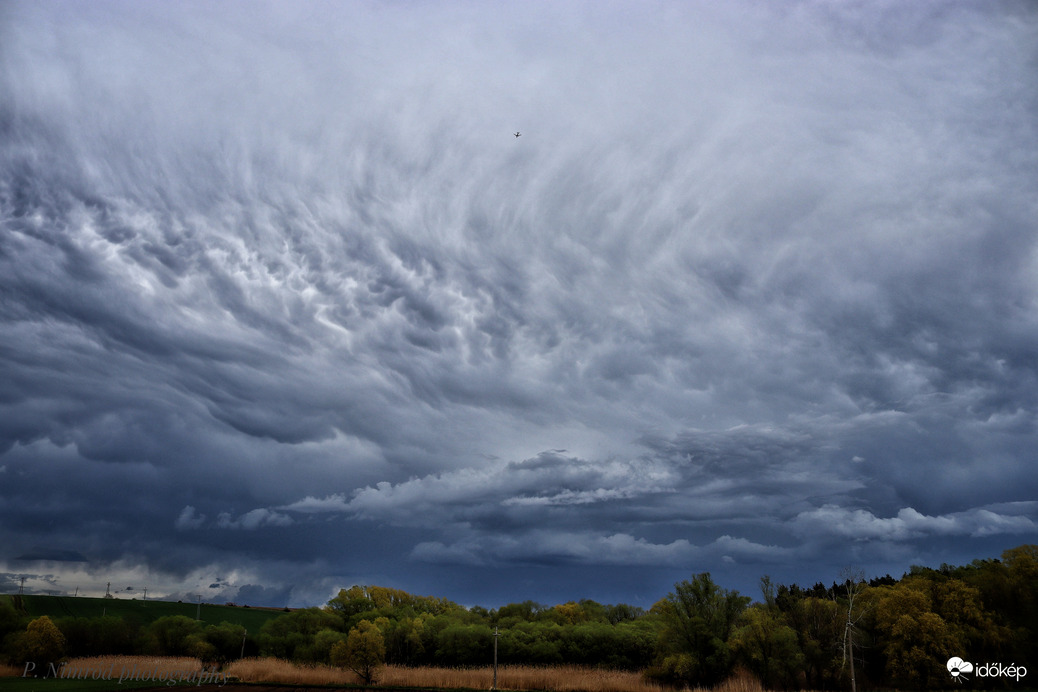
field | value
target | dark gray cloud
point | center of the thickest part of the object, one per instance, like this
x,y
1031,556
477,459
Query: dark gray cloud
x,y
286,307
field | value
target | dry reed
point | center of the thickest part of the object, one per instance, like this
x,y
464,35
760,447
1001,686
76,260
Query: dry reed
x,y
280,670
7,671
548,678
741,681
159,664
552,678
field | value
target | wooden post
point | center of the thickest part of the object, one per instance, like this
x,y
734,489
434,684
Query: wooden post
x,y
494,687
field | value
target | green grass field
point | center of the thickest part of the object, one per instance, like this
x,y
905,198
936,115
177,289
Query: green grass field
x,y
144,612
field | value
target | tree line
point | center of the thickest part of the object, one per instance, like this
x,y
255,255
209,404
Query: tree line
x,y
884,632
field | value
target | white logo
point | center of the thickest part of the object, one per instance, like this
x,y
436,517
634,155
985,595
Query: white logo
x,y
957,667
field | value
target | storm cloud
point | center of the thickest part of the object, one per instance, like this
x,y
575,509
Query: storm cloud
x,y
287,307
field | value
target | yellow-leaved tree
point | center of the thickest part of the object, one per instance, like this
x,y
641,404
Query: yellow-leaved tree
x,y
43,642
363,652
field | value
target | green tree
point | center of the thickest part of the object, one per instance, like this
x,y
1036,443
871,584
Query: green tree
x,y
621,612
535,642
464,645
227,640
12,623
323,642
1010,601
350,602
569,613
404,640
43,641
819,628
1022,572
526,611
915,640
698,619
100,636
393,603
292,636
169,635
961,607
363,652
197,646
768,647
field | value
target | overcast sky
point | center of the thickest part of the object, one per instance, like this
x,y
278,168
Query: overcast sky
x,y
285,306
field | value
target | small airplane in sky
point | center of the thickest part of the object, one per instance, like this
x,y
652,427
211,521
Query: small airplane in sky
x,y
518,134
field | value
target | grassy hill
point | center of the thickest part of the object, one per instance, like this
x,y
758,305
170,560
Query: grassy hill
x,y
143,612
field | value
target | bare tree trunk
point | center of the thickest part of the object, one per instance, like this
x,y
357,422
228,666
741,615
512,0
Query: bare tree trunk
x,y
855,581
850,642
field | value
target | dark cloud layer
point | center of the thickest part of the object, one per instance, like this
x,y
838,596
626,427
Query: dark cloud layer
x,y
285,307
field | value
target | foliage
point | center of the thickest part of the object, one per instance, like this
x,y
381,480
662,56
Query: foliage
x,y
227,641
42,642
292,636
173,635
768,647
698,618
12,627
895,632
405,639
100,636
464,644
144,612
818,624
363,652
382,601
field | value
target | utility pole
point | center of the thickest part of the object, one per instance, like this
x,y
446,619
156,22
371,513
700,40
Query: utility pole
x,y
494,687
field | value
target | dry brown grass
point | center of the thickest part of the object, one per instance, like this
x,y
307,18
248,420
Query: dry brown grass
x,y
553,678
7,671
118,665
280,670
549,678
134,665
162,663
741,681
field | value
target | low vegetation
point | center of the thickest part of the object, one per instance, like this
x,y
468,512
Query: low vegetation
x,y
853,634
556,678
278,670
143,611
